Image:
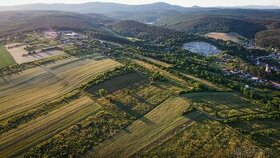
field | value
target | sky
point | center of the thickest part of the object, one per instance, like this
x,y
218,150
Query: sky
x,y
186,3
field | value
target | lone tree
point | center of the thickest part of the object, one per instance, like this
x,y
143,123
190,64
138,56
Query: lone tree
x,y
102,92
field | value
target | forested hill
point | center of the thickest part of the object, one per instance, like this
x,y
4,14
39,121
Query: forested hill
x,y
24,21
268,38
207,24
143,31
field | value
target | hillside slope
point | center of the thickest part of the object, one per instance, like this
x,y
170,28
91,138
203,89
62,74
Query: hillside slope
x,y
24,21
268,38
207,24
139,30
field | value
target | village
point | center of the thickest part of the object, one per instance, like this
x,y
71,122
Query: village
x,y
259,62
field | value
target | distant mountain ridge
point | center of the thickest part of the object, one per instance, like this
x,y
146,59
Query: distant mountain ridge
x,y
108,7
147,13
95,7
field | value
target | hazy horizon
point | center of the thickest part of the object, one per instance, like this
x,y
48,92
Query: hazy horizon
x,y
202,3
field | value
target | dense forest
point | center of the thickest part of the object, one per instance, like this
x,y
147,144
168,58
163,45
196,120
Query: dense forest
x,y
268,38
26,21
217,24
139,30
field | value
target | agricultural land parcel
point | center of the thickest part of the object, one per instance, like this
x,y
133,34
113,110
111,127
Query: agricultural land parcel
x,y
30,88
5,57
20,55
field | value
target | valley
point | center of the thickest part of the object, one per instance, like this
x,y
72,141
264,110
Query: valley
x,y
154,80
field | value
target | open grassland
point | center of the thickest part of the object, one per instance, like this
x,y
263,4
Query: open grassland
x,y
30,88
234,37
154,61
223,104
146,130
18,140
5,57
164,73
206,139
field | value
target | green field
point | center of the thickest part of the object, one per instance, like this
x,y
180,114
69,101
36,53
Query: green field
x,y
117,83
5,58
146,130
205,139
223,104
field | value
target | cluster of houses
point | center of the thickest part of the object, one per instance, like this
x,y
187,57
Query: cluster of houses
x,y
259,61
70,37
251,44
245,75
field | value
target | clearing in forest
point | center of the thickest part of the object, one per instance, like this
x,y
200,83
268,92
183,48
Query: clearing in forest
x,y
234,37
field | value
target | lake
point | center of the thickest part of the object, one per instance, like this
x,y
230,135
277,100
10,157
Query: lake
x,y
202,48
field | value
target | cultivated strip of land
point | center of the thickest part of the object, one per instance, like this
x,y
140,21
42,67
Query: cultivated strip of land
x,y
157,62
31,88
146,129
5,57
42,128
163,73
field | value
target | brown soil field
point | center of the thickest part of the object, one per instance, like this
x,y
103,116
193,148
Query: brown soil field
x,y
234,37
20,55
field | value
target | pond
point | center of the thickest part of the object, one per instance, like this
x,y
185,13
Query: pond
x,y
202,48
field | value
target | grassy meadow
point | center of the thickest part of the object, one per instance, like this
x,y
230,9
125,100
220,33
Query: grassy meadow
x,y
5,58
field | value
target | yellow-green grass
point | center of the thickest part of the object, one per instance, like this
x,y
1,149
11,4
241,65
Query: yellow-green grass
x,y
234,37
155,61
223,104
171,87
18,140
204,82
164,73
30,88
206,139
145,130
5,57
